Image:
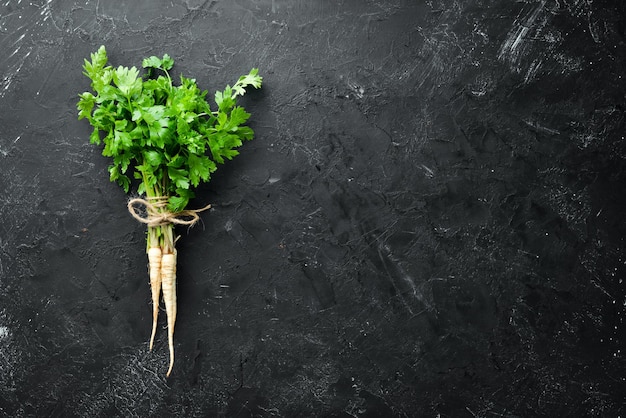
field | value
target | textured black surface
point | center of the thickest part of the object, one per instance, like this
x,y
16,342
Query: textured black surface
x,y
429,222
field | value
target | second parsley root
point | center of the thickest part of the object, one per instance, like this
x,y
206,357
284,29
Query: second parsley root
x,y
168,275
171,140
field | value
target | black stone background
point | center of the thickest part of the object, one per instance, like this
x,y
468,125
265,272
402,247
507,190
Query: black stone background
x,y
429,222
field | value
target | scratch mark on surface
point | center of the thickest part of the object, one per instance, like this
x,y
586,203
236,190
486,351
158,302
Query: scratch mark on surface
x,y
532,70
513,47
47,79
7,80
539,128
406,283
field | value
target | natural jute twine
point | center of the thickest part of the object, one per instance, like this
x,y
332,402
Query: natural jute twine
x,y
157,213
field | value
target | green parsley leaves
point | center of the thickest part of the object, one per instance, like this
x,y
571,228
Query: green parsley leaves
x,y
167,134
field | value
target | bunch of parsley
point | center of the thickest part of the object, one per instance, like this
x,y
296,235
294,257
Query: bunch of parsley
x,y
171,140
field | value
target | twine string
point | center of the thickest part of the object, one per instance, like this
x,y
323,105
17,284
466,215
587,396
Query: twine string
x,y
156,213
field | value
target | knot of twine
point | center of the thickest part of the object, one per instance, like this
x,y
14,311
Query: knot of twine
x,y
156,213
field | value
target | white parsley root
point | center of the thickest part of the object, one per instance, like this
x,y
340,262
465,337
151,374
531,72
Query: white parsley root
x,y
168,276
154,268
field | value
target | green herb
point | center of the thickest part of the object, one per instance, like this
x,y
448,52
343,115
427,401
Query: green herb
x,y
168,138
167,134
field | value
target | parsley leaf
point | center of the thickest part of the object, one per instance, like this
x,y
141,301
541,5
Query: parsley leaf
x,y
126,80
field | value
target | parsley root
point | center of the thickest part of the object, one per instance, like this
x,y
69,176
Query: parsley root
x,y
168,276
172,140
154,267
